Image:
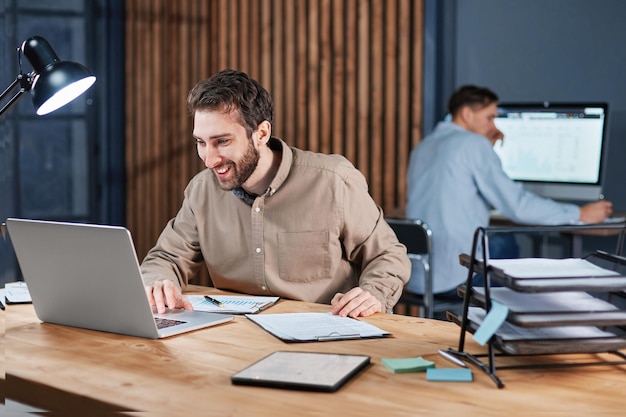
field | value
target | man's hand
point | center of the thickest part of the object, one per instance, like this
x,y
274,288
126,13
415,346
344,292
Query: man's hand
x,y
596,212
164,294
355,303
495,135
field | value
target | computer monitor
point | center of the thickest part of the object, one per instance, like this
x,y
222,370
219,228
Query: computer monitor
x,y
557,150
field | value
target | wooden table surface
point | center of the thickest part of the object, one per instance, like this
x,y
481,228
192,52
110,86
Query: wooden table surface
x,y
95,373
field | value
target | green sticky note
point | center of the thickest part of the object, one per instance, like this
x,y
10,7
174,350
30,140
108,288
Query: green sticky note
x,y
449,374
402,365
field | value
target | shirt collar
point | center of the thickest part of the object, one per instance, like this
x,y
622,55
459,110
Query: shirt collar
x,y
284,168
244,195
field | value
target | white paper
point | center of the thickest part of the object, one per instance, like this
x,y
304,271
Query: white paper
x,y
232,304
17,292
510,332
552,302
304,327
549,268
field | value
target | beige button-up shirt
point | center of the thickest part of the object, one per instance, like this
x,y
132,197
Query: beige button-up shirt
x,y
315,232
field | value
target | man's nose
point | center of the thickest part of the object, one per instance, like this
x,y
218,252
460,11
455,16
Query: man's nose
x,y
211,157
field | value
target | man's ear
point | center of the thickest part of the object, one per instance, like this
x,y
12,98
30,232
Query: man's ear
x,y
263,132
466,114
463,117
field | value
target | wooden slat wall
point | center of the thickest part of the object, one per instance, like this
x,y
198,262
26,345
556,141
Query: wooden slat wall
x,y
345,76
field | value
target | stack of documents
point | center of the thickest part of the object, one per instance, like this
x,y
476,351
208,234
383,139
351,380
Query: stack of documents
x,y
511,332
549,302
17,292
528,268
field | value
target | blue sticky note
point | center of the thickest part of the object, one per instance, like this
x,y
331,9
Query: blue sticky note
x,y
449,374
491,323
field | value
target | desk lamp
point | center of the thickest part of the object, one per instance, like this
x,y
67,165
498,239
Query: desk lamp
x,y
53,83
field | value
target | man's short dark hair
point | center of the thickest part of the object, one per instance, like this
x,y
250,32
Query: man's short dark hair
x,y
233,91
471,95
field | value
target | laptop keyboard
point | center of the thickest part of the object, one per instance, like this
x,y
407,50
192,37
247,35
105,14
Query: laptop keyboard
x,y
163,323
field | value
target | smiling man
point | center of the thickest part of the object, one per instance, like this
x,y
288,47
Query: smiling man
x,y
269,219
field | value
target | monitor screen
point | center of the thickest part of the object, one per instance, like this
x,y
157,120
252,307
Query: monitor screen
x,y
556,150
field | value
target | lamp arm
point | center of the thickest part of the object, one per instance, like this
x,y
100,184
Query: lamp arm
x,y
25,83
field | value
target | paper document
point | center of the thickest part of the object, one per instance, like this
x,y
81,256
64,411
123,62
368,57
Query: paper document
x,y
17,292
549,268
315,327
608,220
615,220
511,332
550,302
231,304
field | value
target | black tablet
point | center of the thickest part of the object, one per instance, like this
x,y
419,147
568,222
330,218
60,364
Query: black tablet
x,y
302,370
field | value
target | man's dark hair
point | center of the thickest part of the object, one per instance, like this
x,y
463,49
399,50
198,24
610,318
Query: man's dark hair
x,y
233,91
471,95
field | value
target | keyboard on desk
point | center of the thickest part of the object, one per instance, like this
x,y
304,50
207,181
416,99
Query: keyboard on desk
x,y
163,323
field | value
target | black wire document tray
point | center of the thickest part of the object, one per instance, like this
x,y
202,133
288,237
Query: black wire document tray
x,y
544,306
302,370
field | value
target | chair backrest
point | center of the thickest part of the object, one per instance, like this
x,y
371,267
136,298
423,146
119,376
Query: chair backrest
x,y
417,237
414,234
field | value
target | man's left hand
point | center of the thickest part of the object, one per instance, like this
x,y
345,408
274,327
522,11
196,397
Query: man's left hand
x,y
355,303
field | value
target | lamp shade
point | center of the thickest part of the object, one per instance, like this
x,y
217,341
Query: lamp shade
x,y
56,82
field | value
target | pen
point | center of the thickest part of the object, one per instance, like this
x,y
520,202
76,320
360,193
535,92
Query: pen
x,y
1,305
213,301
452,358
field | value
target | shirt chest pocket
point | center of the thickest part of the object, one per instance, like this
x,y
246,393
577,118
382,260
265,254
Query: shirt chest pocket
x,y
304,256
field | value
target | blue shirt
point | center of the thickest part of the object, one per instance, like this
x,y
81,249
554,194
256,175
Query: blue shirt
x,y
454,179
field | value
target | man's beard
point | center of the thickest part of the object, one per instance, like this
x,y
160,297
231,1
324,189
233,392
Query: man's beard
x,y
242,170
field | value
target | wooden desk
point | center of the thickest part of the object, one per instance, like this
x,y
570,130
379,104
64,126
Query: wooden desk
x,y
63,368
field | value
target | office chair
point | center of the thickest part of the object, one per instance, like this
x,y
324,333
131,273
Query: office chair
x,y
417,237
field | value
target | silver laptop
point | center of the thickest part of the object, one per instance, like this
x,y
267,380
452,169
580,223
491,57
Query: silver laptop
x,y
88,276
